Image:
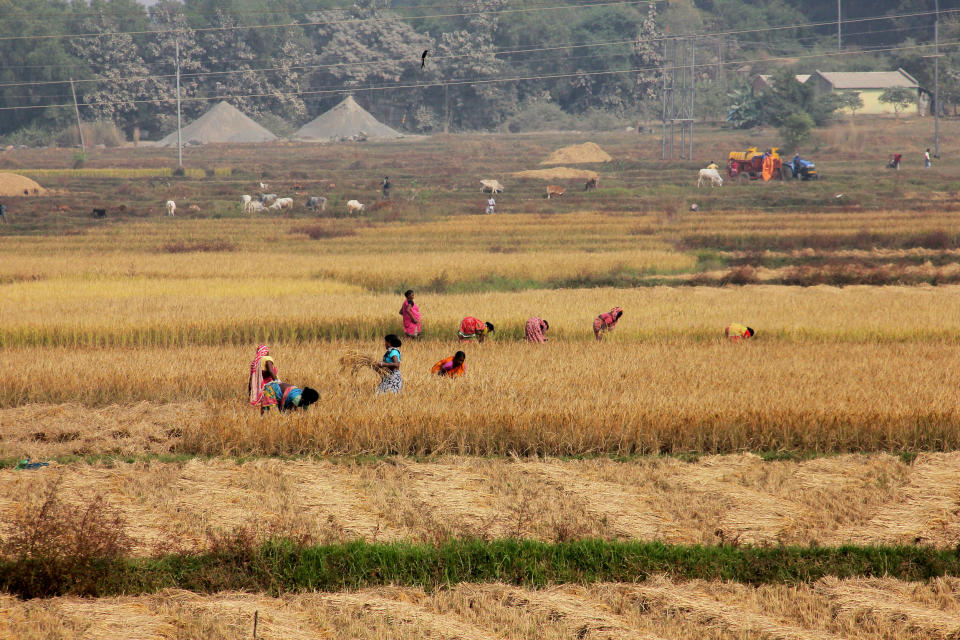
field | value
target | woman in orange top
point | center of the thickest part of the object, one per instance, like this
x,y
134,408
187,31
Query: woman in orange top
x,y
451,367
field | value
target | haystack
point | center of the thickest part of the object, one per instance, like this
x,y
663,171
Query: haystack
x,y
346,120
222,123
13,184
558,173
578,154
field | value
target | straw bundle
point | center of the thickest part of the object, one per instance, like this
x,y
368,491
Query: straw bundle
x,y
356,361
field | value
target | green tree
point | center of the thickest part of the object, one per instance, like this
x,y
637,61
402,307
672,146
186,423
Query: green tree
x,y
795,130
745,109
899,98
850,100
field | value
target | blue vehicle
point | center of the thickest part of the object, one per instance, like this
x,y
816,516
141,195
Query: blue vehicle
x,y
803,169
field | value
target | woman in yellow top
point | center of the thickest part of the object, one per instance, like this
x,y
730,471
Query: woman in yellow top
x,y
737,332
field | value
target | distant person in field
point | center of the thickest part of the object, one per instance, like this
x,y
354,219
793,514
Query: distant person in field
x,y
712,165
926,158
410,313
474,329
894,162
738,332
451,367
606,322
286,397
3,212
491,204
386,188
262,371
535,329
390,367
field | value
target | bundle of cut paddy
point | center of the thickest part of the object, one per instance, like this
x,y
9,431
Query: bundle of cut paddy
x,y
355,361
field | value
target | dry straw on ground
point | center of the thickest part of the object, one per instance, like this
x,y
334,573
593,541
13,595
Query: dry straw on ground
x,y
730,499
857,609
578,154
12,184
557,173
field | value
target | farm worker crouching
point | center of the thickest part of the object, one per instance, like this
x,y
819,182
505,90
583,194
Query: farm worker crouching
x,y
262,372
606,322
410,313
474,329
451,367
535,330
737,332
390,367
286,397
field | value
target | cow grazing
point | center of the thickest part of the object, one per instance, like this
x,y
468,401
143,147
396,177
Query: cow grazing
x,y
592,183
194,207
317,203
267,198
99,213
245,201
354,206
553,191
282,203
255,207
171,207
491,186
709,174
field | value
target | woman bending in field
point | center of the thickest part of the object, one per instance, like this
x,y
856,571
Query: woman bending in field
x,y
390,367
451,367
473,329
606,322
535,329
738,332
286,397
262,371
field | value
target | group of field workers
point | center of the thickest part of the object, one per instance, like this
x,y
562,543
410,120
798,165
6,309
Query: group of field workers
x,y
269,394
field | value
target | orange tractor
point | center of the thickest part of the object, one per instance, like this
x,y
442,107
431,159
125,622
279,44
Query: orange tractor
x,y
753,165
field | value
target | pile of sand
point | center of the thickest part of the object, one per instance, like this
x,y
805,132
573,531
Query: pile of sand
x,y
578,154
12,184
222,123
558,173
346,120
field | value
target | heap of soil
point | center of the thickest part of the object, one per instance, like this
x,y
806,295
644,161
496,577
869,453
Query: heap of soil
x,y
578,154
222,123
558,173
12,184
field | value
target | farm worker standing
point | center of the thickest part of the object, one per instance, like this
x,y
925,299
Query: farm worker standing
x,y
262,372
390,367
286,397
737,332
712,165
473,329
606,322
926,158
386,188
3,212
767,167
491,204
410,313
451,367
535,329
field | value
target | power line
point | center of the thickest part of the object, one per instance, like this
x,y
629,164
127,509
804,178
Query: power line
x,y
394,87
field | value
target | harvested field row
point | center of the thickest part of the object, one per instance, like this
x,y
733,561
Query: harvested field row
x,y
723,499
659,609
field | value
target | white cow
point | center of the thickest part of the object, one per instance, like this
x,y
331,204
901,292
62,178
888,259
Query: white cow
x,y
712,175
355,206
282,203
171,207
491,186
256,207
245,203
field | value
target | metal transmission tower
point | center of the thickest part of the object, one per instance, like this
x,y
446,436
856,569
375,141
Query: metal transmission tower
x,y
679,91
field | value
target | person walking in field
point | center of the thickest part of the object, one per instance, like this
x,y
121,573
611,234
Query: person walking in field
x,y
606,322
474,329
491,204
738,332
926,158
262,371
410,313
389,368
451,367
535,329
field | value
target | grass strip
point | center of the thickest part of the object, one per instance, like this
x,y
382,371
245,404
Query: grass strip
x,y
282,566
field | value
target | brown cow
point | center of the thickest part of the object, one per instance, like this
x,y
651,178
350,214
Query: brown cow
x,y
554,190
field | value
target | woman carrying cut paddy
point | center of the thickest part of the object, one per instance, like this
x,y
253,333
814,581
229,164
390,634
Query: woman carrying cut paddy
x,y
389,368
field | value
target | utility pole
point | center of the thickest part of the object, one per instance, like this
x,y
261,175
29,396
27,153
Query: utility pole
x,y
936,80
839,44
76,109
179,133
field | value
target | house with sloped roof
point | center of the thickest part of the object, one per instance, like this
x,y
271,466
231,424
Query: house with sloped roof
x,y
870,85
762,82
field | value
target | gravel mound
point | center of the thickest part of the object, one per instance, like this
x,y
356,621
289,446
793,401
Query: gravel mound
x,y
222,123
346,120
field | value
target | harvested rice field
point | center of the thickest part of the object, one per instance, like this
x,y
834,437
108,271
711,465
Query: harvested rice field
x,y
862,500
658,609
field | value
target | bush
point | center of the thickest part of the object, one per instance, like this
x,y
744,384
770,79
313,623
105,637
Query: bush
x,y
540,116
32,136
98,132
277,125
795,130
